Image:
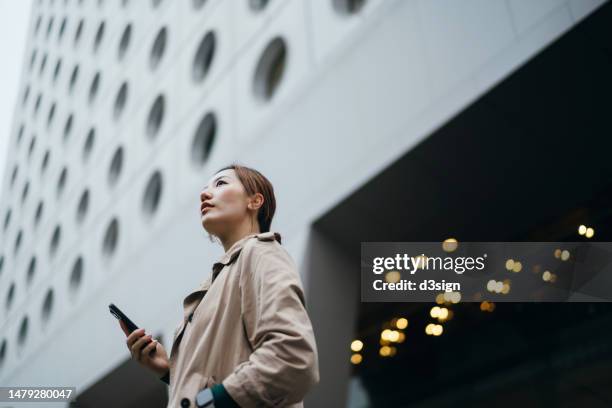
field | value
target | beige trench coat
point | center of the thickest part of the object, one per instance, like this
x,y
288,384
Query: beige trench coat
x,y
247,327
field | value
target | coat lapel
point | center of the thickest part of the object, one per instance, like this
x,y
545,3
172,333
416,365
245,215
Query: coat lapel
x,y
191,301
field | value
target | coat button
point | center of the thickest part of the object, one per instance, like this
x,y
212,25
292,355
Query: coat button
x,y
185,403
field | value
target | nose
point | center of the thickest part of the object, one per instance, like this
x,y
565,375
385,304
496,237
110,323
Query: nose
x,y
204,195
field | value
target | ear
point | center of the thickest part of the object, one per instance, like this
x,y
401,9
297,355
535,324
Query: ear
x,y
255,201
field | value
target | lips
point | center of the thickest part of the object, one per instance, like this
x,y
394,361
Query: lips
x,y
205,206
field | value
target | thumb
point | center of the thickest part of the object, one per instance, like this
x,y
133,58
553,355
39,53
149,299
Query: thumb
x,y
124,328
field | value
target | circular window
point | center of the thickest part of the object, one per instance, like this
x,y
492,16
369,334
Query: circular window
x,y
348,6
159,47
124,43
43,64
7,219
25,191
20,134
89,144
47,306
62,30
55,240
115,167
197,4
23,332
152,194
78,32
2,353
99,36
93,89
82,206
32,146
120,100
56,71
76,275
204,57
26,95
37,25
37,104
111,238
73,78
32,59
61,181
45,161
204,139
258,5
68,127
51,115
31,271
18,240
270,68
10,296
49,27
156,116
14,175
38,213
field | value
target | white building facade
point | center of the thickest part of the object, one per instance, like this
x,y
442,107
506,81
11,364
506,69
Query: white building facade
x,y
127,107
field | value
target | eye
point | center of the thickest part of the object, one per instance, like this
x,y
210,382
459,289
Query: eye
x,y
220,181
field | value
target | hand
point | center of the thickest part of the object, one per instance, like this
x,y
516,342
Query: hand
x,y
147,351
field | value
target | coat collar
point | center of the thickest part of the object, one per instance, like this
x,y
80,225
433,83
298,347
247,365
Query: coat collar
x,y
232,254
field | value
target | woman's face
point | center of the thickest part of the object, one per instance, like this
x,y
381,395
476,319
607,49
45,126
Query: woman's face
x,y
223,203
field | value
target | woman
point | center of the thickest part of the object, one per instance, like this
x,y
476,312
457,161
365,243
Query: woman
x,y
245,335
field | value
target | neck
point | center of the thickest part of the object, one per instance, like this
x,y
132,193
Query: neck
x,y
246,228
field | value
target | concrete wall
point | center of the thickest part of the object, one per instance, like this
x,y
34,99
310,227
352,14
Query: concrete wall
x,y
358,91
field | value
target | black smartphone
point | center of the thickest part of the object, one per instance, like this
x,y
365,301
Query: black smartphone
x,y
121,316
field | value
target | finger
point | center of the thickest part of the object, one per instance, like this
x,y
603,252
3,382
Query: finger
x,y
138,344
144,352
135,335
136,347
148,349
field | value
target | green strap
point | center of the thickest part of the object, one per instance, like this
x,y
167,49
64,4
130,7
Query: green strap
x,y
220,394
222,397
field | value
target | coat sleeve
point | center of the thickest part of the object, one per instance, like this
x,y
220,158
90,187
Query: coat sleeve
x,y
284,364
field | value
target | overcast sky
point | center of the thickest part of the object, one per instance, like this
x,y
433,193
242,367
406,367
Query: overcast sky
x,y
14,20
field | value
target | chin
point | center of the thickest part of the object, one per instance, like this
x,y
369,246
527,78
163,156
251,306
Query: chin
x,y
205,225
209,225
